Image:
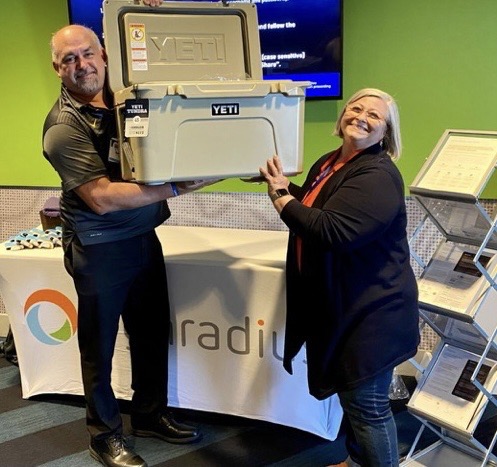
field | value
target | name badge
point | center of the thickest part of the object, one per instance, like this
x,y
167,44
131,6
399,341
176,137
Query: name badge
x,y
114,150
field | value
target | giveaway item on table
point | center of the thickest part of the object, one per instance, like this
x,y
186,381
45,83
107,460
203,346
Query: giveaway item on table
x,y
35,238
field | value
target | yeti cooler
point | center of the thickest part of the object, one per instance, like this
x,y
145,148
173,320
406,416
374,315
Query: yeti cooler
x,y
190,99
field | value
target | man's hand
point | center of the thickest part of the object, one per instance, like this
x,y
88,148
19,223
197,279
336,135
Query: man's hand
x,y
152,2
193,185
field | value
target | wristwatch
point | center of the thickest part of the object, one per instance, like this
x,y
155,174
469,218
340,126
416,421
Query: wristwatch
x,y
278,194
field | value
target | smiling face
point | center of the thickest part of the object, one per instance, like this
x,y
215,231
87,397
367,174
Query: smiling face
x,y
364,122
79,61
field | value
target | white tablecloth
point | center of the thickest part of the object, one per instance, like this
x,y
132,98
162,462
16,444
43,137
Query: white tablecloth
x,y
228,309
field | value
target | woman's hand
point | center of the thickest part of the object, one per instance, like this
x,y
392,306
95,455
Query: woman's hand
x,y
273,175
276,181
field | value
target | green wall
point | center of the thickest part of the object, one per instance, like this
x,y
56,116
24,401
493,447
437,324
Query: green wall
x,y
438,58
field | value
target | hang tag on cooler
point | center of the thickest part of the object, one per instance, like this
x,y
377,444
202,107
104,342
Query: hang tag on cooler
x,y
136,115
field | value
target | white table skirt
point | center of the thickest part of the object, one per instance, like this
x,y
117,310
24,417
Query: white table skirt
x,y
227,298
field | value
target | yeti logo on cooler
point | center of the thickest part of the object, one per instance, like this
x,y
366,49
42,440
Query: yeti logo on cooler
x,y
225,109
198,49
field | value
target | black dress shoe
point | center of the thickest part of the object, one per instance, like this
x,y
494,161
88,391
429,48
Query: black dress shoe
x,y
165,428
113,452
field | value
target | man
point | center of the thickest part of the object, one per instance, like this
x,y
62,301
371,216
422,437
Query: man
x,y
112,253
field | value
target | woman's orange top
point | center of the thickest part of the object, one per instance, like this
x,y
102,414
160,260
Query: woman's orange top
x,y
328,168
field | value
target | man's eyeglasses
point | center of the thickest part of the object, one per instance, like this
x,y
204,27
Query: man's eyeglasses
x,y
372,115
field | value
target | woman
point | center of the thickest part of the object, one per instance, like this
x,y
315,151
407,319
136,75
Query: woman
x,y
351,292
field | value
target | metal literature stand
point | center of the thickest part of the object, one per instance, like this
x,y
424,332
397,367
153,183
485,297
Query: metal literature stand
x,y
458,299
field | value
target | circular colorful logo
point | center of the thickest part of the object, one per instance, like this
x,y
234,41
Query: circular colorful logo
x,y
51,316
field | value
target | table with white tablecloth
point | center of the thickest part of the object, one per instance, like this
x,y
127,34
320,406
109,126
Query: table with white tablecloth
x,y
227,294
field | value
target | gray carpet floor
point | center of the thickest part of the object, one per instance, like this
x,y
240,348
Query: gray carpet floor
x,y
50,431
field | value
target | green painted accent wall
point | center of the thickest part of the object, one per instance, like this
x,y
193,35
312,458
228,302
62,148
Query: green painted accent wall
x,y
438,58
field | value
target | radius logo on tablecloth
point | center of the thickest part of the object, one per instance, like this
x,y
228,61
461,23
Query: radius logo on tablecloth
x,y
51,316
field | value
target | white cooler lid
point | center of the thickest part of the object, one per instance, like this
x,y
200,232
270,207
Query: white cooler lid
x,y
180,41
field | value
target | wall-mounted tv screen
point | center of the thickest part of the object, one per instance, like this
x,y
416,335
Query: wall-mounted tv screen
x,y
300,40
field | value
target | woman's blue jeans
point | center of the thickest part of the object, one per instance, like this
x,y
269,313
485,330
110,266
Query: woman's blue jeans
x,y
371,434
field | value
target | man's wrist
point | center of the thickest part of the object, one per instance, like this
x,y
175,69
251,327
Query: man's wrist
x,y
174,189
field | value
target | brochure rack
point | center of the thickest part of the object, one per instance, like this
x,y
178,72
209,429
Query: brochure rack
x,y
458,299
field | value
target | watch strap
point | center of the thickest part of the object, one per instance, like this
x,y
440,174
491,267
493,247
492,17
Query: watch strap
x,y
278,194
